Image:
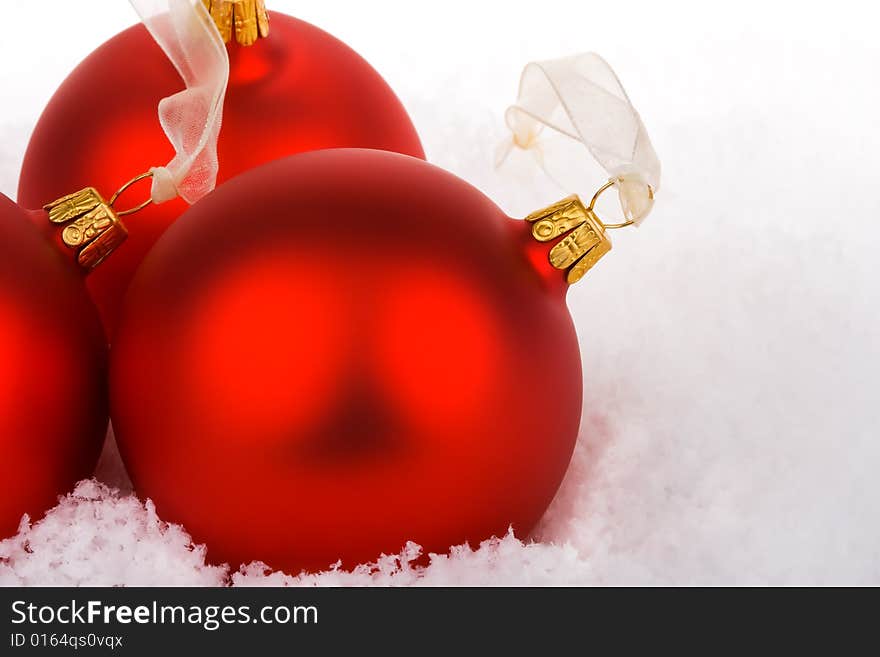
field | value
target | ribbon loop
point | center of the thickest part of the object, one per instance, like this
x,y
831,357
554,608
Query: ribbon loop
x,y
191,118
581,99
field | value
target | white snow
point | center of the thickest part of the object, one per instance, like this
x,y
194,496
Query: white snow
x,y
730,345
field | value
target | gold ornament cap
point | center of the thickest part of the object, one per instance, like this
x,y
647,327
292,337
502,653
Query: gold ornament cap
x,y
585,238
585,242
90,225
247,20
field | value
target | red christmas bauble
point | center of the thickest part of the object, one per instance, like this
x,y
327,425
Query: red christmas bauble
x,y
53,406
300,89
339,352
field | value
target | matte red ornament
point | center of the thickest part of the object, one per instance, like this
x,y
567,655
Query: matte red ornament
x,y
342,351
300,89
53,361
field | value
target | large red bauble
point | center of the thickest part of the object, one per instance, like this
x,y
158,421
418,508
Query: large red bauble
x,y
53,360
300,89
339,352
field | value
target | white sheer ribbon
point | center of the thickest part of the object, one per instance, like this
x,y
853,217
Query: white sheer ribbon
x,y
191,118
583,103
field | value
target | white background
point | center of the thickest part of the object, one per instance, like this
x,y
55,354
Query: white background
x,y
730,345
